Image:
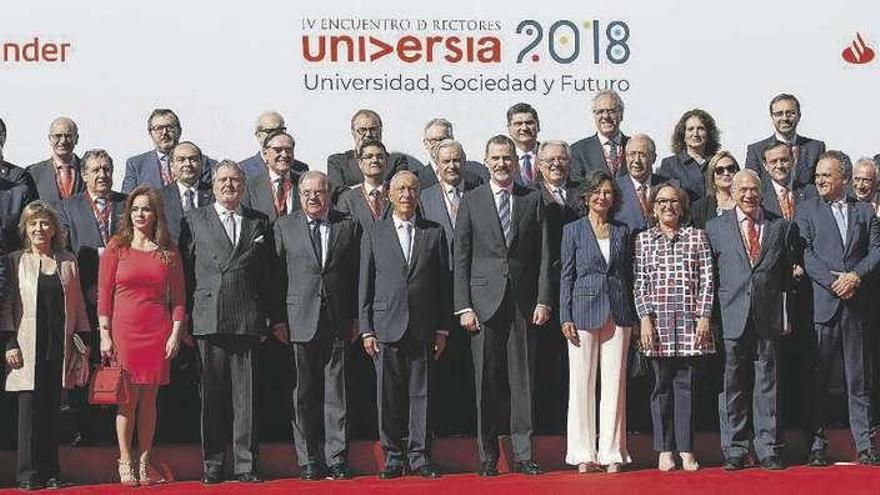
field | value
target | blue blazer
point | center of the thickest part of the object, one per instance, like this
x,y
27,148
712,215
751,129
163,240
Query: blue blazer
x,y
590,287
587,154
629,211
808,154
824,252
143,170
255,165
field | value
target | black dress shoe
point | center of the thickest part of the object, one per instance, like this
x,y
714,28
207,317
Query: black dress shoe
x,y
212,478
30,485
428,471
310,472
869,457
248,478
733,463
488,469
391,472
817,459
529,467
339,472
772,463
56,482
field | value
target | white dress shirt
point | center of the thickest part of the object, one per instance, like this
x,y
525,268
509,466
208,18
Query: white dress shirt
x,y
183,189
324,229
236,216
289,200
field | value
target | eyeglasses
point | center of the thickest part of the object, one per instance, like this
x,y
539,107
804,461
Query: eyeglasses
x,y
638,154
730,169
308,193
666,201
605,111
273,129
159,129
555,162
786,113
59,137
363,131
373,156
280,149
190,159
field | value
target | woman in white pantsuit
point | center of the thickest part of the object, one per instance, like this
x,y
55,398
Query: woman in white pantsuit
x,y
597,314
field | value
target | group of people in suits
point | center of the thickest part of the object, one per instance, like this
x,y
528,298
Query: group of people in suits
x,y
392,284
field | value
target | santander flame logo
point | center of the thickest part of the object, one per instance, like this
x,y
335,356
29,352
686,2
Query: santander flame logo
x,y
858,52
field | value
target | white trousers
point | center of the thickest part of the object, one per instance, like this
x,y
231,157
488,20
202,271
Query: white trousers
x,y
603,350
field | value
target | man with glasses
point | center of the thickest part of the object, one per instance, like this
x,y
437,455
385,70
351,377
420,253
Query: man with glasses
x,y
523,127
638,184
153,168
785,114
268,123
342,168
603,150
186,192
320,290
58,177
436,131
274,190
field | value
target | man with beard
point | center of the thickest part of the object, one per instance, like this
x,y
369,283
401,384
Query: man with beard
x,y
785,114
58,177
603,150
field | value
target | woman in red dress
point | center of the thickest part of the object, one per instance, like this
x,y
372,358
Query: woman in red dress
x,y
141,310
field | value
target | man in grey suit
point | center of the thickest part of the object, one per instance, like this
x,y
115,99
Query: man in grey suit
x,y
153,168
785,114
405,308
186,192
273,191
750,248
638,184
367,201
13,173
841,239
502,292
318,249
603,150
268,123
58,177
453,407
342,168
228,259
436,131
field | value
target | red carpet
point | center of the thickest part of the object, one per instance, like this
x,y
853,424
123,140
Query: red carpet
x,y
714,481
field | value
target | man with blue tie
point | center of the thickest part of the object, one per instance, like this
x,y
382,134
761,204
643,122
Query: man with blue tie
x,y
841,239
186,192
502,294
523,127
750,248
405,312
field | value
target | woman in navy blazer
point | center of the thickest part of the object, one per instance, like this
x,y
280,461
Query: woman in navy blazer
x,y
597,313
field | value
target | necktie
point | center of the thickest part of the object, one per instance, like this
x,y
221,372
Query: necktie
x,y
188,200
504,215
376,203
795,154
229,226
613,157
65,181
642,194
406,241
559,195
527,167
103,220
454,200
785,204
840,219
165,170
754,241
316,240
280,198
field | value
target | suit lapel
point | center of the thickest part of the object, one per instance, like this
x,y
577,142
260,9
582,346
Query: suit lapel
x,y
244,237
303,225
594,242
221,240
597,155
734,229
489,207
850,225
616,238
771,230
418,240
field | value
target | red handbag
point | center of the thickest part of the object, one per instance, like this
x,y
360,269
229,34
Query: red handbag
x,y
109,385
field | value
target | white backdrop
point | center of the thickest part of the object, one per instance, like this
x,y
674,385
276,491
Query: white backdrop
x,y
219,65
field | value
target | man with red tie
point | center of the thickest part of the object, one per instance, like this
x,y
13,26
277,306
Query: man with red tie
x,y
57,177
367,202
605,149
274,191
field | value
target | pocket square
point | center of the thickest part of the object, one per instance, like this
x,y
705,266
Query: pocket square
x,y
258,240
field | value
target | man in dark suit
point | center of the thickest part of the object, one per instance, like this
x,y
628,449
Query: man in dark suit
x,y
785,113
342,168
228,259
502,292
405,308
638,184
367,201
750,248
58,177
841,239
453,408
186,192
436,131
268,123
865,182
153,168
13,198
562,205
319,250
273,191
523,127
13,173
603,150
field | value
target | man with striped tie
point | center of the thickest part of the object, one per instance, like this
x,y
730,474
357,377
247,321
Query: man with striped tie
x,y
502,292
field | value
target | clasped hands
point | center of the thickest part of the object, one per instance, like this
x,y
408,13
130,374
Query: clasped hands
x,y
845,285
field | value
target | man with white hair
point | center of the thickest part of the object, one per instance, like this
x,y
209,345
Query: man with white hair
x,y
605,148
269,122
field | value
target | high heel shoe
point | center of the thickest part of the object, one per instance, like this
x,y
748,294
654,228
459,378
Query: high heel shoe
x,y
127,474
688,461
147,475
